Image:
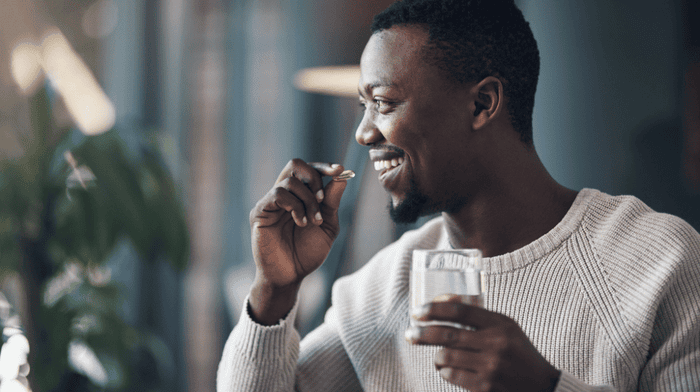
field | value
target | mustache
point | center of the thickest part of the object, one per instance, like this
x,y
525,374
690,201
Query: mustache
x,y
388,148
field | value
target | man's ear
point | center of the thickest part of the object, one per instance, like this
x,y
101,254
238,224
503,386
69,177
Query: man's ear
x,y
488,100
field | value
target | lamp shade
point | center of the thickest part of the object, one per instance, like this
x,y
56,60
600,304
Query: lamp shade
x,y
337,80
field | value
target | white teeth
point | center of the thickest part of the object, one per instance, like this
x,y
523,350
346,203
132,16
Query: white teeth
x,y
387,164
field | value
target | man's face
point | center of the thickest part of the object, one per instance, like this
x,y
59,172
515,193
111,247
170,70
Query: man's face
x,y
417,125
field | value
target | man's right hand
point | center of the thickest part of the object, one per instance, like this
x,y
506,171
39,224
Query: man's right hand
x,y
293,228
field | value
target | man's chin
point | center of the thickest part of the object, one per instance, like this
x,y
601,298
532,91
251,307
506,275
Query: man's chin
x,y
409,209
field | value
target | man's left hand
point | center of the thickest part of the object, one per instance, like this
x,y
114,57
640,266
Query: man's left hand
x,y
495,356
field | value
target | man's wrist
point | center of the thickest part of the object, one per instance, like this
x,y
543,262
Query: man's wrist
x,y
268,305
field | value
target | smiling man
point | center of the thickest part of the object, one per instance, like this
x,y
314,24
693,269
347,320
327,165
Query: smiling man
x,y
585,291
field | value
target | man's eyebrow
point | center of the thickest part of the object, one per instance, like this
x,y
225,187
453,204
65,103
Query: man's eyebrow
x,y
381,83
373,85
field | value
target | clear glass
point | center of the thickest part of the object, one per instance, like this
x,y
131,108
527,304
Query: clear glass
x,y
439,272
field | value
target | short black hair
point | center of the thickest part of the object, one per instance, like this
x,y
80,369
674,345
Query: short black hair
x,y
472,39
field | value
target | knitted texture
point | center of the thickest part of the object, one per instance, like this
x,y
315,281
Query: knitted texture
x,y
610,296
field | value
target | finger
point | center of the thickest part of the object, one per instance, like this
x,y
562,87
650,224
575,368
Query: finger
x,y
457,312
284,199
458,359
334,192
312,210
325,169
297,168
465,379
437,335
269,210
474,371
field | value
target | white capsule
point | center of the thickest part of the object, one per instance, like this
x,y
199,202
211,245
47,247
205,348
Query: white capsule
x,y
347,174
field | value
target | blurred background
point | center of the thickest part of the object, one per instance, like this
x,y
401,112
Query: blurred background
x,y
135,137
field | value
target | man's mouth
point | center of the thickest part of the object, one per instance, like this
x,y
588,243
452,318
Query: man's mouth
x,y
384,164
386,159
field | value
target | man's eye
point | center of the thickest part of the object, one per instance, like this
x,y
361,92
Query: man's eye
x,y
377,104
381,104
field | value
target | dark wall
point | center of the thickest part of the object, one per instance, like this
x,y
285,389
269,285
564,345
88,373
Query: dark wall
x,y
609,106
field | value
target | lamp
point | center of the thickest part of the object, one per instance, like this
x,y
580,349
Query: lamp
x,y
336,80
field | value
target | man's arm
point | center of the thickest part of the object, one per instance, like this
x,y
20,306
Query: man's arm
x,y
674,347
258,357
293,228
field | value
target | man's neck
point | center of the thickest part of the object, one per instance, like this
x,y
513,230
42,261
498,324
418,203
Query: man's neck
x,y
510,214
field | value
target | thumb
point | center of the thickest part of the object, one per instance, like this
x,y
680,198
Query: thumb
x,y
334,192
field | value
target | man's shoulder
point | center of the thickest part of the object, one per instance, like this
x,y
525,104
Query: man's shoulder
x,y
623,229
643,256
626,217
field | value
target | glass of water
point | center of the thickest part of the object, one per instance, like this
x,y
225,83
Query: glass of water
x,y
439,272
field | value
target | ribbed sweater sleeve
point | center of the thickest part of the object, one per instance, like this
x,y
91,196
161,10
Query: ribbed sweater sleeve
x,y
650,264
260,358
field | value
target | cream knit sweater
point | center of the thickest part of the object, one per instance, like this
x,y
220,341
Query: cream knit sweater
x,y
610,296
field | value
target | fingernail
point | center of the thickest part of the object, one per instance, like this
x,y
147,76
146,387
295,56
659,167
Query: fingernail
x,y
318,216
412,334
335,166
446,373
422,311
319,195
443,298
304,221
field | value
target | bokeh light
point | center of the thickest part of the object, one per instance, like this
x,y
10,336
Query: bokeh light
x,y
340,80
87,104
25,65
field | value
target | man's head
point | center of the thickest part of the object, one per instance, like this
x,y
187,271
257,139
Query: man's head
x,y
472,39
437,124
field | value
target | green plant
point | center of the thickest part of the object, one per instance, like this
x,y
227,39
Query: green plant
x,y
64,206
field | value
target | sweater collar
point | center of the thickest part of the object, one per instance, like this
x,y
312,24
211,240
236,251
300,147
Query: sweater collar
x,y
539,247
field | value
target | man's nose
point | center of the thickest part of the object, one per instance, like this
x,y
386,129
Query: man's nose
x,y
367,133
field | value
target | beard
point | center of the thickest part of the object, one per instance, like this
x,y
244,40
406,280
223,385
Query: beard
x,y
411,208
416,204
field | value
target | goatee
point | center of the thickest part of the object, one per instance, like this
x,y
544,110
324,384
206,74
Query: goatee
x,y
411,208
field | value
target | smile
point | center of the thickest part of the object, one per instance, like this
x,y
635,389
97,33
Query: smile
x,y
387,163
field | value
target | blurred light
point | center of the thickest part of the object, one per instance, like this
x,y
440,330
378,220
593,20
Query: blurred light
x,y
98,276
339,80
100,19
63,284
25,65
13,357
85,324
79,176
85,361
86,102
12,386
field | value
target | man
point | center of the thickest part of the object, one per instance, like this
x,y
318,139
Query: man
x,y
584,291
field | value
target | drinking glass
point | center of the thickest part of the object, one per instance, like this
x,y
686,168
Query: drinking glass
x,y
438,272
